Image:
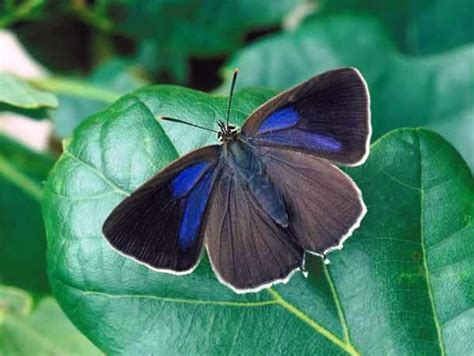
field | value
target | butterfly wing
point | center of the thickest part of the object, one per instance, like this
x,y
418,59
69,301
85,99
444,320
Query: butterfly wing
x,y
327,116
247,249
162,223
324,205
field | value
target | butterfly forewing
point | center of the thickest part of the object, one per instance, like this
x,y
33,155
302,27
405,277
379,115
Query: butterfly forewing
x,y
327,116
162,223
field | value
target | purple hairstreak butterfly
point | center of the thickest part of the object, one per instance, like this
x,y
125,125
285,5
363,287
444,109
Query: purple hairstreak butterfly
x,y
263,197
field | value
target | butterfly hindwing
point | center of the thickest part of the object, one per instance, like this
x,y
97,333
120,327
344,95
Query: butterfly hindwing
x,y
161,224
327,116
246,247
324,205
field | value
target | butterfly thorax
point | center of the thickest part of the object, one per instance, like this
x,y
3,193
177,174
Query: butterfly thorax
x,y
227,132
250,170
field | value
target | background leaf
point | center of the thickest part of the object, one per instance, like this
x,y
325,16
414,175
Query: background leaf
x,y
418,27
198,27
16,95
433,91
22,236
42,330
416,276
114,78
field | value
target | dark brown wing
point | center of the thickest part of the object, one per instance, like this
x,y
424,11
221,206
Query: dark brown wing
x,y
161,224
247,249
327,116
324,205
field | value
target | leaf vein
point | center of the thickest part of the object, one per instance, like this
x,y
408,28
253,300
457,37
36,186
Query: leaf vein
x,y
172,300
97,172
312,323
423,249
340,312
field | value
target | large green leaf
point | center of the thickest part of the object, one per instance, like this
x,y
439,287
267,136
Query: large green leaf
x,y
433,91
22,236
419,27
18,96
404,283
37,330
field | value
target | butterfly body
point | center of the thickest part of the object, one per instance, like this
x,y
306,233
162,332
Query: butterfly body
x,y
248,169
263,197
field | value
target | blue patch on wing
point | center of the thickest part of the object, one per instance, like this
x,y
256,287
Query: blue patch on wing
x,y
281,119
194,210
302,139
187,179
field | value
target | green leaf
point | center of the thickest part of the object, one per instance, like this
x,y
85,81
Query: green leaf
x,y
418,27
196,27
433,91
22,236
18,96
168,33
40,330
402,284
158,60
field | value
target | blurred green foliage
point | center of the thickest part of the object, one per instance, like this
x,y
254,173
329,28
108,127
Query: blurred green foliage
x,y
40,329
115,78
418,59
22,98
23,244
435,91
417,26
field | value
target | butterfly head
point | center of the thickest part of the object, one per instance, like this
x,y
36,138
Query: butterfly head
x,y
227,132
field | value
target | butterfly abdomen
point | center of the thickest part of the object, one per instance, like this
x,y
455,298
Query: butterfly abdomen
x,y
251,170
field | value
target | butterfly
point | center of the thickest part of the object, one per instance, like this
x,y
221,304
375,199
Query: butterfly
x,y
264,196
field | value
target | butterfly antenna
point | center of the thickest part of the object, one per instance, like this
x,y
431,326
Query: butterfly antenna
x,y
186,123
234,79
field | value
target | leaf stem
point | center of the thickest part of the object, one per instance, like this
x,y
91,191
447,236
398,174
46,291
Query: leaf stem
x,y
19,179
91,17
59,85
19,12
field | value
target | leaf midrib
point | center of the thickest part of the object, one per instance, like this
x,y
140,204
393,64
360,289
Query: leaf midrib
x,y
344,345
